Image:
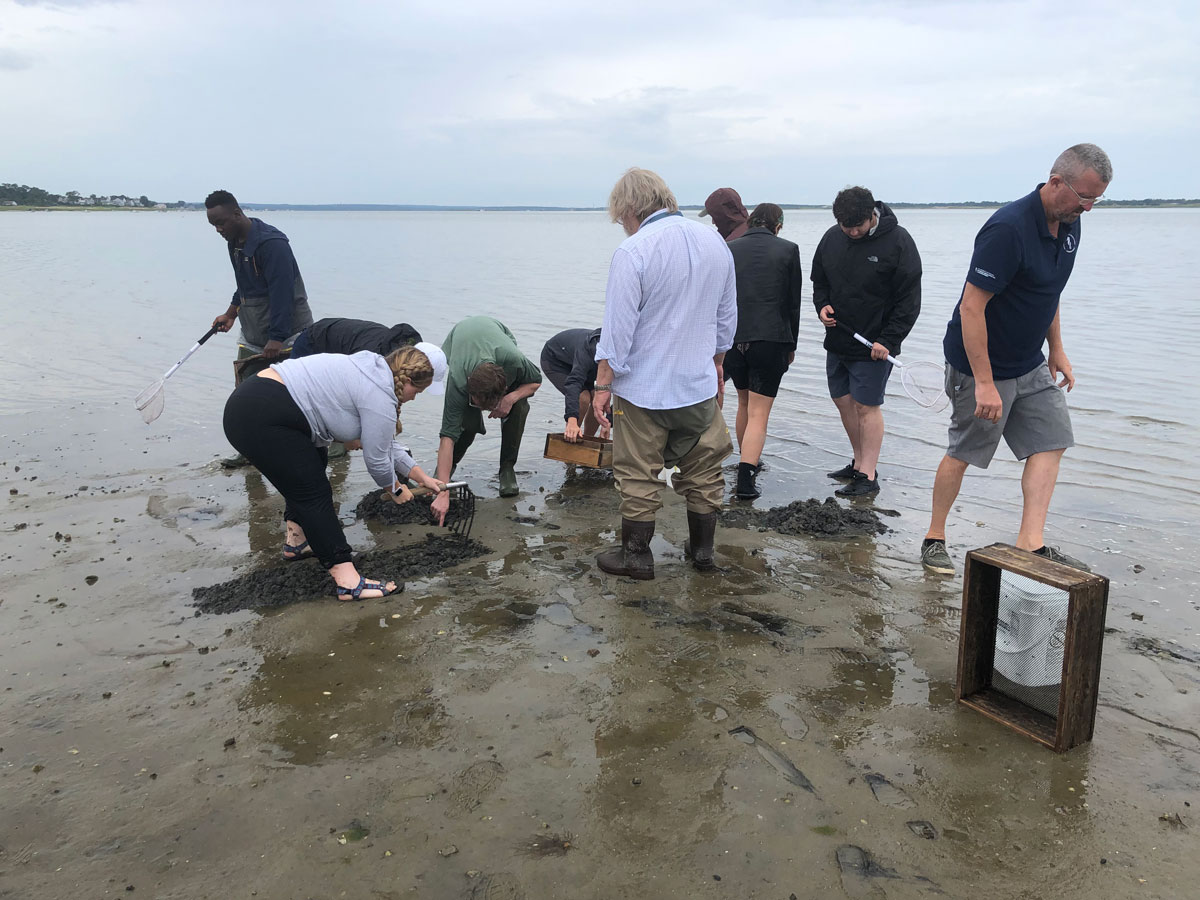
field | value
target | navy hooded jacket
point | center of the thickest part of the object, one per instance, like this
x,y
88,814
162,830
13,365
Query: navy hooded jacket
x,y
270,297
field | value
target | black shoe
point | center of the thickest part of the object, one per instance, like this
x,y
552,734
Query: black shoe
x,y
845,473
746,488
861,486
1056,555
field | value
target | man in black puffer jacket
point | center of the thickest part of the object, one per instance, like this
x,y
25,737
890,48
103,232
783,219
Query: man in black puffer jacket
x,y
866,277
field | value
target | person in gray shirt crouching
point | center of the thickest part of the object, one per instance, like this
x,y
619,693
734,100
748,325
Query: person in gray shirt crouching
x,y
283,418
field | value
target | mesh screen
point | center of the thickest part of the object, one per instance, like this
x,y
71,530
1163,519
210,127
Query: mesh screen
x,y
1030,632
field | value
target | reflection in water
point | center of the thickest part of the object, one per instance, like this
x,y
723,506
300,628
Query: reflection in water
x,y
264,518
366,694
650,745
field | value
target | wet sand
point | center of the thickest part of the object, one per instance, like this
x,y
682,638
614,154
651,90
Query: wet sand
x,y
522,725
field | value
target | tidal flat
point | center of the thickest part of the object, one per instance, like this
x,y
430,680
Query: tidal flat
x,y
522,725
519,724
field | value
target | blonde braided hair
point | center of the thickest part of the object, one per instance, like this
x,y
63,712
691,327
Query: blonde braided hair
x,y
409,366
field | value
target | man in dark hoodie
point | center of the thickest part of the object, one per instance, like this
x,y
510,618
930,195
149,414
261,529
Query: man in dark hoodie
x,y
866,278
270,300
569,361
728,213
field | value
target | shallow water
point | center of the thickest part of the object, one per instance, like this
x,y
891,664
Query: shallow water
x,y
113,298
413,746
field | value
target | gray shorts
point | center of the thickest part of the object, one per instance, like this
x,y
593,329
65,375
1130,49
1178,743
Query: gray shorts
x,y
1035,417
863,379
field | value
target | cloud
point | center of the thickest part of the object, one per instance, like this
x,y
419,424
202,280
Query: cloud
x,y
543,102
12,61
66,4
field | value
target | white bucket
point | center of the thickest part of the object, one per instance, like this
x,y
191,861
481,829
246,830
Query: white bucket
x,y
1030,631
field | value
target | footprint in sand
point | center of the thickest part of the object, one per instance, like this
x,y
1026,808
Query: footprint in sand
x,y
858,870
501,886
420,723
923,829
862,874
473,784
787,708
887,793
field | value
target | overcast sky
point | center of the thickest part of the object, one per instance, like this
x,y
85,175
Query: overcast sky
x,y
547,101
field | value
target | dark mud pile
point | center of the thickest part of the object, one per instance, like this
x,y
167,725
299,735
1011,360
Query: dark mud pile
x,y
377,507
810,517
307,580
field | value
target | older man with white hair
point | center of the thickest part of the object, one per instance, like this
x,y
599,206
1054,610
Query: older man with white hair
x,y
670,313
999,382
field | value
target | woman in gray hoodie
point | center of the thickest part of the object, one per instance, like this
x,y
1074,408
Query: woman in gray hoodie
x,y
283,419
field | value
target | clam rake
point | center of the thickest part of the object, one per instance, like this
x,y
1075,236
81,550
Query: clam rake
x,y
461,515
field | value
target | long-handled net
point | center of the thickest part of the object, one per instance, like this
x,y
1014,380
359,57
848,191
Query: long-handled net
x,y
150,401
924,382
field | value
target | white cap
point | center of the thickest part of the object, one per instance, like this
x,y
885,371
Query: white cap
x,y
438,360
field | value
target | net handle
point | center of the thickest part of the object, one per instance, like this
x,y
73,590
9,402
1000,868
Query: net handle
x,y
868,343
196,346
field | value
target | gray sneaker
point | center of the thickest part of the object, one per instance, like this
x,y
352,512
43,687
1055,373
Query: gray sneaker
x,y
935,558
1056,555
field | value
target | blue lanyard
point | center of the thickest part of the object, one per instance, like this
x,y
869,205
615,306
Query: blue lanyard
x,y
657,216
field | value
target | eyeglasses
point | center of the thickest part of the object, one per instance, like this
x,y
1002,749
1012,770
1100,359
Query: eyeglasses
x,y
1082,199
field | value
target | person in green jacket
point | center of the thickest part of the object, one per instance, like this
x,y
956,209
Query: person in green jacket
x,y
486,372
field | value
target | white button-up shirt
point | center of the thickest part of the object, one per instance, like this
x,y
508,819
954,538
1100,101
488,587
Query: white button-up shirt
x,y
670,306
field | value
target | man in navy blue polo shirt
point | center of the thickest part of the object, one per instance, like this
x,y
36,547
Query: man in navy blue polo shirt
x,y
998,381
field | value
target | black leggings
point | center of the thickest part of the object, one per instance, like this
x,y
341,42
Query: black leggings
x,y
264,423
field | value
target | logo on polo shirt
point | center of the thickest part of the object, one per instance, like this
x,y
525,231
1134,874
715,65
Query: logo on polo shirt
x,y
872,259
1070,243
984,272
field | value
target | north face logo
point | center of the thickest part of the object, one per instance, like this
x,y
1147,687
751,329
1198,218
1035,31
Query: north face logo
x,y
872,259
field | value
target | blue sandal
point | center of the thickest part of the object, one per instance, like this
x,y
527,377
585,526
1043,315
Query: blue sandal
x,y
354,594
297,552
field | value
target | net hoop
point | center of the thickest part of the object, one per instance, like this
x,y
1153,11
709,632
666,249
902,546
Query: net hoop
x,y
924,382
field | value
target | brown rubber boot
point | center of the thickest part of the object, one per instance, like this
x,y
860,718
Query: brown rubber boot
x,y
633,557
702,532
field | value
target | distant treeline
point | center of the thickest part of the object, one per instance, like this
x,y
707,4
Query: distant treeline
x,y
1104,204
24,195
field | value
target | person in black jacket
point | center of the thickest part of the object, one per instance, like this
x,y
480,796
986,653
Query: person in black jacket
x,y
866,277
769,282
347,336
569,361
